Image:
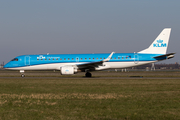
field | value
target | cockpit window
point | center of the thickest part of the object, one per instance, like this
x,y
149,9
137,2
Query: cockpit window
x,y
15,59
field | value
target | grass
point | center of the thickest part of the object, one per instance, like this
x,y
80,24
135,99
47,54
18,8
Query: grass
x,y
106,96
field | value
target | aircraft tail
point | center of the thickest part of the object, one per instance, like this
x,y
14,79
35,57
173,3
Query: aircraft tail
x,y
160,44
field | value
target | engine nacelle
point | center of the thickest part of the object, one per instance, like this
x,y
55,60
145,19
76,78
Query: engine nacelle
x,y
68,70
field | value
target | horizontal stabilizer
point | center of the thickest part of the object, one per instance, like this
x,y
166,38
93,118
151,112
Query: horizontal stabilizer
x,y
170,55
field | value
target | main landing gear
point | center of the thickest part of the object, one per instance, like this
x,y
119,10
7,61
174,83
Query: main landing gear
x,y
88,74
22,73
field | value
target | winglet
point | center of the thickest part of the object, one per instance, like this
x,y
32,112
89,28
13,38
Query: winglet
x,y
109,57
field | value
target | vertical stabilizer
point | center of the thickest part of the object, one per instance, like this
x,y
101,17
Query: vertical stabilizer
x,y
160,44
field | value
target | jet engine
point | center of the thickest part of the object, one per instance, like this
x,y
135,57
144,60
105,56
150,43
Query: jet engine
x,y
68,70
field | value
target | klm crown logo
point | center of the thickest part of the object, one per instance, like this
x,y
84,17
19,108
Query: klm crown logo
x,y
159,44
41,57
160,41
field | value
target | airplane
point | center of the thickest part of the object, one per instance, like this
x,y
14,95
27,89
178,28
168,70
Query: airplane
x,y
69,64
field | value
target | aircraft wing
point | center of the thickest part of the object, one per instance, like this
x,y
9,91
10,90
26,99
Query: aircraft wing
x,y
92,65
89,65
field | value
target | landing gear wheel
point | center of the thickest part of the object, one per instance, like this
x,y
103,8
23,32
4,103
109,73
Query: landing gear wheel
x,y
22,75
88,74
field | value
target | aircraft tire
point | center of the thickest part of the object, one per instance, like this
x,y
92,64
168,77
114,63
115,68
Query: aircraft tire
x,y
22,75
88,74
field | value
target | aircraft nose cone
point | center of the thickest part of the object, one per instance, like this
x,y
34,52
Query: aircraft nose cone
x,y
7,65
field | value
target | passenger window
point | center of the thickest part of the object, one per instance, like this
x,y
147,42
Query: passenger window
x,y
68,59
97,58
72,58
57,59
61,59
64,58
37,59
89,58
118,57
114,58
85,58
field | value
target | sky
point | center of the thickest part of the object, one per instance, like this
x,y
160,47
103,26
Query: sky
x,y
86,26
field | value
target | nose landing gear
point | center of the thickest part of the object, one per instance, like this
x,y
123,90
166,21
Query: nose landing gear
x,y
22,73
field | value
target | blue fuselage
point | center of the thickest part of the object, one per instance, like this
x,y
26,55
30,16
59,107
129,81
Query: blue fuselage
x,y
34,60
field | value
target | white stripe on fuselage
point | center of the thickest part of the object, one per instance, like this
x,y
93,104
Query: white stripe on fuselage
x,y
56,66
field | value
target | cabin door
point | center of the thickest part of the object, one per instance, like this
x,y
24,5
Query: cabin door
x,y
136,58
27,60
